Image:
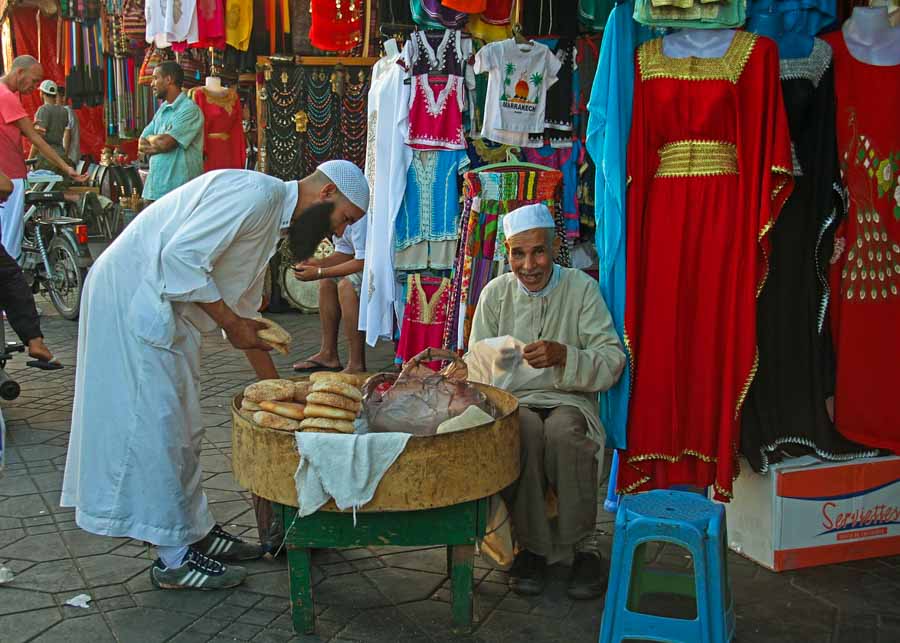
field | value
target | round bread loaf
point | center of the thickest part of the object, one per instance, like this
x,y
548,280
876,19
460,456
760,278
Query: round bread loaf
x,y
285,409
270,390
327,376
321,431
275,336
342,426
247,405
319,411
272,421
301,390
334,401
338,388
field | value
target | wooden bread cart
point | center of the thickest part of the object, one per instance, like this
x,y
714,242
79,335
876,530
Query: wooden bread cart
x,y
435,493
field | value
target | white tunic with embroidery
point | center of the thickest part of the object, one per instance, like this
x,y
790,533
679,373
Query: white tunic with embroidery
x,y
388,123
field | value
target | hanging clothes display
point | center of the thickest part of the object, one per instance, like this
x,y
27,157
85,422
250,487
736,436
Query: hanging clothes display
x,y
431,14
865,275
466,6
593,14
785,406
608,129
559,117
424,317
210,26
443,53
387,160
519,76
697,247
171,21
549,18
427,226
488,195
494,23
224,146
567,161
238,23
336,24
436,107
687,14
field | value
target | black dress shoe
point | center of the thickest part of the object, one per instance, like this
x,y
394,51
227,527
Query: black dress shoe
x,y
528,575
588,578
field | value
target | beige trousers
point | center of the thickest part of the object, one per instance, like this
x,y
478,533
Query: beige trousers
x,y
557,455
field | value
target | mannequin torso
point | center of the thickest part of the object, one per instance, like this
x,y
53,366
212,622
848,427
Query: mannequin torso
x,y
871,38
698,43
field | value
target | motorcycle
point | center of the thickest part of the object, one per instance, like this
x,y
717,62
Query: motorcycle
x,y
55,253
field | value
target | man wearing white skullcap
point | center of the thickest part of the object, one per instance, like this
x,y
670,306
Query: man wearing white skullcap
x,y
567,332
193,261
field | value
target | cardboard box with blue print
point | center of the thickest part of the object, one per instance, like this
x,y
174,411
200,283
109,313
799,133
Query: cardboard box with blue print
x,y
805,512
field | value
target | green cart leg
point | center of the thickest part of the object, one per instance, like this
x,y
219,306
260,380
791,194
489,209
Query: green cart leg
x,y
462,575
303,610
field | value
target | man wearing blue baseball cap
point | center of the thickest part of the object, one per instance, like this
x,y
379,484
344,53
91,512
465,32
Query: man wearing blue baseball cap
x,y
193,261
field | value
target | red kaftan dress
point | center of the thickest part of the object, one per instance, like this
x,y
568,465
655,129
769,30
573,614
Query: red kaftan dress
x,y
709,161
224,146
865,275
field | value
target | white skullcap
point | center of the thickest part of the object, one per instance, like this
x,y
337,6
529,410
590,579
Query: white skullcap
x,y
528,217
350,180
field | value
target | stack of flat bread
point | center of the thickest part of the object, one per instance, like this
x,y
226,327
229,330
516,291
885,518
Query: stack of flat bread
x,y
275,404
275,336
332,403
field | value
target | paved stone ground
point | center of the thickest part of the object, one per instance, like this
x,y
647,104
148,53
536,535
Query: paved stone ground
x,y
375,594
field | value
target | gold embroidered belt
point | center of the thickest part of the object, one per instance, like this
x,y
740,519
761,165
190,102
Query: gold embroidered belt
x,y
219,136
697,158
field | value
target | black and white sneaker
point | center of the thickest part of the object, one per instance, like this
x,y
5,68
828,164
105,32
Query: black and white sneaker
x,y
197,572
221,545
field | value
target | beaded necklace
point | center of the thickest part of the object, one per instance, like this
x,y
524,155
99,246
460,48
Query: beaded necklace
x,y
353,119
283,146
323,113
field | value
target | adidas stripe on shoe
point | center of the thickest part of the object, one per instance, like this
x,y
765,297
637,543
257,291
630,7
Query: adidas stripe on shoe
x,y
198,572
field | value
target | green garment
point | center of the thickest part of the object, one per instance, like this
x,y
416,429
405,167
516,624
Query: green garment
x,y
573,314
593,14
183,121
54,119
700,15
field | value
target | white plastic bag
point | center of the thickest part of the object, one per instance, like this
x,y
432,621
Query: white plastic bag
x,y
499,361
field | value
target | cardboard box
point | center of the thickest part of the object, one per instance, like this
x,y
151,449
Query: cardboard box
x,y
805,512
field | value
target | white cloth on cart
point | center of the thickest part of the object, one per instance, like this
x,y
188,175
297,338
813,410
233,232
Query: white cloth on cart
x,y
347,468
133,465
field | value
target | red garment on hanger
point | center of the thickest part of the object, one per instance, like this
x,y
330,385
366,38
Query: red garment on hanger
x,y
224,146
424,317
210,27
865,274
696,253
330,33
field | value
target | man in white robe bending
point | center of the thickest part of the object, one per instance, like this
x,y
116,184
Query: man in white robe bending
x,y
193,261
567,332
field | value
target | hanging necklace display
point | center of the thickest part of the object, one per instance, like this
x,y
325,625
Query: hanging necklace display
x,y
323,112
353,117
284,149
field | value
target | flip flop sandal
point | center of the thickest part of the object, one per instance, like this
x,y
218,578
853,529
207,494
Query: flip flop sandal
x,y
44,366
317,367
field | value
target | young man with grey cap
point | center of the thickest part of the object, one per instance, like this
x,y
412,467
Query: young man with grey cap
x,y
51,120
567,332
193,261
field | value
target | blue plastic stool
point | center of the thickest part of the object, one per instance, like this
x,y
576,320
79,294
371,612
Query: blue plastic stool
x,y
690,521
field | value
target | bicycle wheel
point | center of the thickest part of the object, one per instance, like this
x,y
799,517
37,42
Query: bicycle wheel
x,y
67,282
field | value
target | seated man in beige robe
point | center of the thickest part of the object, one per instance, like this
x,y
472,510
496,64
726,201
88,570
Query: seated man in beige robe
x,y
567,332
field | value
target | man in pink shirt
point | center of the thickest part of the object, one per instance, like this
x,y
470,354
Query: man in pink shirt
x,y
23,77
